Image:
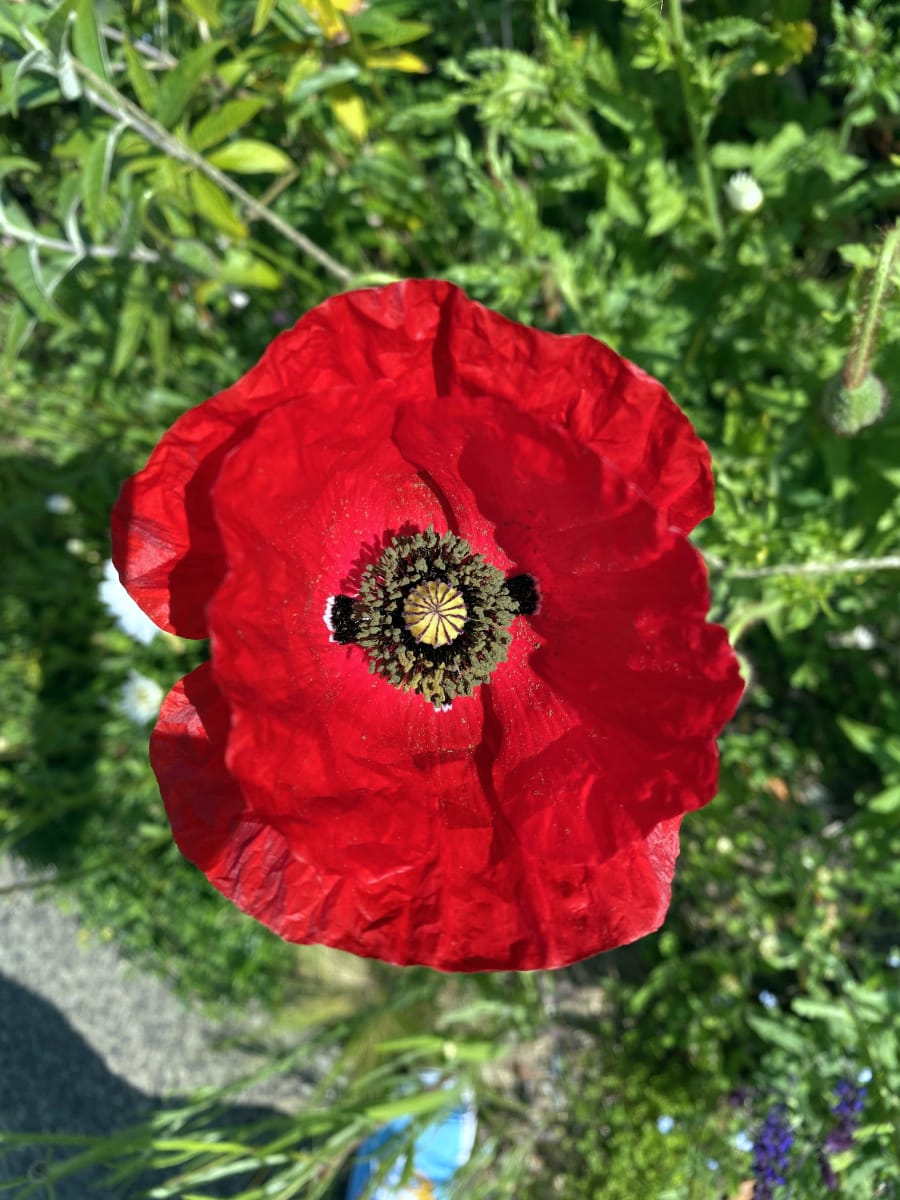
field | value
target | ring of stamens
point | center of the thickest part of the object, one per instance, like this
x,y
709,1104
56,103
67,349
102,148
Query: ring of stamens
x,y
432,616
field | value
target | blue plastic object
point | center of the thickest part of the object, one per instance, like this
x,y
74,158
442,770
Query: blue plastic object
x,y
438,1153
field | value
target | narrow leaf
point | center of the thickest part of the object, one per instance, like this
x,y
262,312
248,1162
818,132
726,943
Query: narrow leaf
x,y
86,39
263,14
159,330
216,126
397,60
177,89
95,176
19,327
144,85
15,162
24,272
205,10
131,329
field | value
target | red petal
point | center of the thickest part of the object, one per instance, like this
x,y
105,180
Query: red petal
x,y
373,889
424,333
535,823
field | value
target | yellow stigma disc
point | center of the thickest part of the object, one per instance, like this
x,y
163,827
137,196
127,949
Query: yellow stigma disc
x,y
434,613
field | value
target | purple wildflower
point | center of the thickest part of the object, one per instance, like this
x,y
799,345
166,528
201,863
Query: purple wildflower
x,y
829,1178
771,1152
849,1101
850,1098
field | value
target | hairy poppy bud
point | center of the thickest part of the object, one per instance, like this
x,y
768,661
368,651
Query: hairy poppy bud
x,y
849,409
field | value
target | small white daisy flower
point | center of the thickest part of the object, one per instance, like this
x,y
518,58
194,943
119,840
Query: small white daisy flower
x,y
743,1142
127,615
743,193
238,299
75,546
140,698
59,504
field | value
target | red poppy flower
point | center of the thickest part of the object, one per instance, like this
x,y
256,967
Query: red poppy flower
x,y
462,688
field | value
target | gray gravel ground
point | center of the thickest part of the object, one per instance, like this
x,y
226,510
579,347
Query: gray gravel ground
x,y
88,1045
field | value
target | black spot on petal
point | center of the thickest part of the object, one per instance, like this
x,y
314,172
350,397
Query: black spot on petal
x,y
523,592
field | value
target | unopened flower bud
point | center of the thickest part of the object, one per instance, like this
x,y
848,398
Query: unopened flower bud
x,y
849,409
743,193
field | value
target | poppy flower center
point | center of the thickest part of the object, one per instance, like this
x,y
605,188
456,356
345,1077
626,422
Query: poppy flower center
x,y
432,616
435,613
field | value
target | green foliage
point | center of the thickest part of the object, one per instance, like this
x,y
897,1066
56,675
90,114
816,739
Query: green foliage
x,y
178,182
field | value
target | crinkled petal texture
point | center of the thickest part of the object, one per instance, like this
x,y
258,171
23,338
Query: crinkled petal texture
x,y
535,822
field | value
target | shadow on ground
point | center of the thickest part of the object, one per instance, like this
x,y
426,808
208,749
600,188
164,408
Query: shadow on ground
x,y
52,1082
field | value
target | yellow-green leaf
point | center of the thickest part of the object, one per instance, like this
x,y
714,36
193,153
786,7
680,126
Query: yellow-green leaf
x,y
247,156
349,109
217,125
242,269
263,14
397,60
212,203
206,10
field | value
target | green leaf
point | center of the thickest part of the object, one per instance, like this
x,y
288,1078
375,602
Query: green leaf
x,y
217,125
263,14
778,1033
205,10
730,31
212,203
426,1102
177,89
248,156
383,30
23,269
145,86
198,257
864,737
857,254
666,202
131,329
86,39
837,1019
242,269
15,162
159,330
887,801
19,326
296,89
95,176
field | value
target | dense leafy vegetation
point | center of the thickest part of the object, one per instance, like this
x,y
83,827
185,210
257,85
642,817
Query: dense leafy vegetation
x,y
180,180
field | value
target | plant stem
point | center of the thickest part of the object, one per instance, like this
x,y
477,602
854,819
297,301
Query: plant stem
x,y
105,96
701,161
889,562
864,334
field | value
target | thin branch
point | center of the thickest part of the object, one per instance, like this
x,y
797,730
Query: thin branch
x,y
111,101
149,51
139,254
890,562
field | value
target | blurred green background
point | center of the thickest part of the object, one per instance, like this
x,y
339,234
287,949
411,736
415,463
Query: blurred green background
x,y
715,195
